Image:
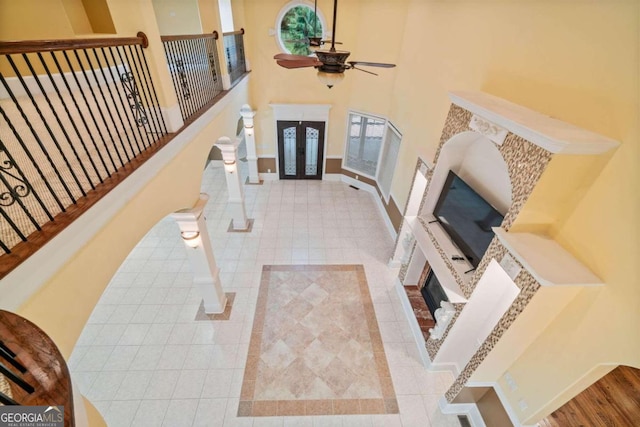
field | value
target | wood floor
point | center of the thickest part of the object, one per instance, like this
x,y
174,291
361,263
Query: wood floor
x,y
613,401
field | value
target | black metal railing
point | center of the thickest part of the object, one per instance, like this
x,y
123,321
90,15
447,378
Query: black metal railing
x,y
234,52
72,114
195,70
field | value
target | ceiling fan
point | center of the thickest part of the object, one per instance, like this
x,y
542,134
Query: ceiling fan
x,y
331,64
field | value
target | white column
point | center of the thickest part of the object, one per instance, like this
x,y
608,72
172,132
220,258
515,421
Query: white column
x,y
229,151
193,230
250,140
402,251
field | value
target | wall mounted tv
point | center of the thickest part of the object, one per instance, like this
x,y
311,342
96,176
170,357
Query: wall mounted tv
x,y
466,217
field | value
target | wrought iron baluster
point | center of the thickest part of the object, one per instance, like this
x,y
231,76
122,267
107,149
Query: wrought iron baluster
x,y
129,84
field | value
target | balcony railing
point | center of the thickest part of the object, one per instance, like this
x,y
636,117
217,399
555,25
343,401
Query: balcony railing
x,y
234,52
195,70
74,116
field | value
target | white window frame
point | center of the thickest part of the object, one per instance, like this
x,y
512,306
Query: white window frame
x,y
389,127
346,145
285,9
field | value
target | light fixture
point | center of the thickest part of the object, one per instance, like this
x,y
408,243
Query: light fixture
x,y
191,238
330,79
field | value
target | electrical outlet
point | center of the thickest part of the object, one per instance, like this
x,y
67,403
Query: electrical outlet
x,y
357,177
510,382
523,404
268,170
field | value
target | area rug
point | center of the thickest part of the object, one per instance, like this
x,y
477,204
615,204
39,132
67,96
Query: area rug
x,y
315,347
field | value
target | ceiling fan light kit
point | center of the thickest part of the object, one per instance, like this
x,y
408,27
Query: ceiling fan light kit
x,y
330,79
331,64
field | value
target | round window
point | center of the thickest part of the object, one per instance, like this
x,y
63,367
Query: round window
x,y
296,23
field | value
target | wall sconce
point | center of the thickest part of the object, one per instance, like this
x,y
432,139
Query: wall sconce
x,y
191,238
229,166
248,129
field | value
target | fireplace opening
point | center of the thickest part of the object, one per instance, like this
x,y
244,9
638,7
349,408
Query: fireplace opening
x,y
433,293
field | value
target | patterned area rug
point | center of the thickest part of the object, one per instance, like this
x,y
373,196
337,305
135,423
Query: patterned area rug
x,y
315,346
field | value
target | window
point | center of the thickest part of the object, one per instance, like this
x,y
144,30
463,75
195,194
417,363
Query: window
x,y
388,160
372,149
363,146
226,15
296,23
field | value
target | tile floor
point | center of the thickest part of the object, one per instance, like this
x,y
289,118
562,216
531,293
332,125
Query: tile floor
x,y
144,360
316,347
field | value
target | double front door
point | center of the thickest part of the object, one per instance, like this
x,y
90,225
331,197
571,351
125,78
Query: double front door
x,y
300,149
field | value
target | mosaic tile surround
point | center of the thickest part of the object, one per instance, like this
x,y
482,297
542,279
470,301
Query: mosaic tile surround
x,y
298,362
525,163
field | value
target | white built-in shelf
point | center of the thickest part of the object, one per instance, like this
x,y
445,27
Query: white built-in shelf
x,y
445,276
547,261
547,132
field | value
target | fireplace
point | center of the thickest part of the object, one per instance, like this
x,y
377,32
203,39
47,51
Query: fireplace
x,y
433,293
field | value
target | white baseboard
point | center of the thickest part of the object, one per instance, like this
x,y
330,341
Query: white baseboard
x,y
269,176
451,367
332,177
413,324
371,189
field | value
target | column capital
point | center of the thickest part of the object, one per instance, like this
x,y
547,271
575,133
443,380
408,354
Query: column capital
x,y
190,215
246,112
228,148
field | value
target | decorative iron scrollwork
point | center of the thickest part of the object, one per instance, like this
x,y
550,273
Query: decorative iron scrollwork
x,y
15,184
129,84
182,76
229,65
212,66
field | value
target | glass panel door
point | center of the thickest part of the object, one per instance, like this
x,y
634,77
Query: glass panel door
x,y
311,152
300,149
290,151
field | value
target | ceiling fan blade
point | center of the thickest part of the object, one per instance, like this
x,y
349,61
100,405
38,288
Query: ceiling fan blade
x,y
371,64
308,62
360,69
289,57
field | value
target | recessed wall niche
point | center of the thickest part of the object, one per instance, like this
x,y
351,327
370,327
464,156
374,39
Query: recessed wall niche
x,y
478,162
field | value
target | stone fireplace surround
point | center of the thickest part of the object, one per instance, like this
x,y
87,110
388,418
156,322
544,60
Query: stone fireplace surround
x,y
527,142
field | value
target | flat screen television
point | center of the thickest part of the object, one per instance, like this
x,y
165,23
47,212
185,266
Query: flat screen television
x,y
466,217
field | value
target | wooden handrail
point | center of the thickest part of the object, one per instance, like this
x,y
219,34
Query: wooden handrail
x,y
233,33
39,375
31,46
171,38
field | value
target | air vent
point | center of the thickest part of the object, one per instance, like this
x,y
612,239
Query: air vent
x,y
464,421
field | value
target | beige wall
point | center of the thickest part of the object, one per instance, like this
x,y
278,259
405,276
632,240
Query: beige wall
x,y
274,84
177,17
62,306
77,16
577,61
99,16
34,20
